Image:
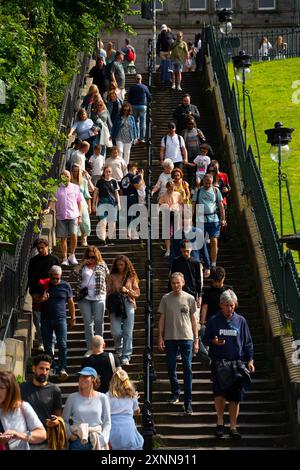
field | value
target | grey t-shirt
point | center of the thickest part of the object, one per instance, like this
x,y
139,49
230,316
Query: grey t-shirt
x,y
178,310
44,400
118,71
22,419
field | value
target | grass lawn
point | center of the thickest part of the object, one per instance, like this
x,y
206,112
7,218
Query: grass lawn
x,y
270,88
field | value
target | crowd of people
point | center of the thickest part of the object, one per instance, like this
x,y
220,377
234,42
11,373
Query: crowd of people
x,y
98,170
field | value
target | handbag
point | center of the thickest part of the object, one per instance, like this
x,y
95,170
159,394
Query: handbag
x,y
82,293
115,302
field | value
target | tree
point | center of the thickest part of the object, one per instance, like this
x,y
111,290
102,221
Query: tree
x,y
39,42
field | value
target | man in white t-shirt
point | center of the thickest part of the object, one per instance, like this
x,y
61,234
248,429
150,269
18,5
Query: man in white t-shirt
x,y
172,146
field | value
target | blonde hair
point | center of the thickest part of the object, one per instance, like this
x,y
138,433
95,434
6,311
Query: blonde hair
x,y
80,176
121,386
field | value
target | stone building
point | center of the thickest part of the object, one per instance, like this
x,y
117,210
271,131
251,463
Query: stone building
x,y
190,15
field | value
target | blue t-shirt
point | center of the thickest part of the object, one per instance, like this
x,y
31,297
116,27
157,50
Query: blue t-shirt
x,y
55,307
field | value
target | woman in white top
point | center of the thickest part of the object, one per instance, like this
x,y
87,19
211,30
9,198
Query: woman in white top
x,y
91,274
263,49
163,178
19,424
87,414
123,400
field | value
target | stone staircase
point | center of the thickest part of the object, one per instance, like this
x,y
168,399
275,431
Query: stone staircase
x,y
263,421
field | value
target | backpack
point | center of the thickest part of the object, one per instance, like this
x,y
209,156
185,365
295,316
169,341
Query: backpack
x,y
179,141
130,54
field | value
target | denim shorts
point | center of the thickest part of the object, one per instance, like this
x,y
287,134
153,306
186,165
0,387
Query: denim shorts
x,y
65,228
177,66
212,228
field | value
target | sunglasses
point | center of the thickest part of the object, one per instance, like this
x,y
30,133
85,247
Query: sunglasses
x,y
171,127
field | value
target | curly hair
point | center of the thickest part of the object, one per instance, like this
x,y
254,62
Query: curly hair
x,y
129,269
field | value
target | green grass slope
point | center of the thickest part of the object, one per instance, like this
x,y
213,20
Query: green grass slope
x,y
274,88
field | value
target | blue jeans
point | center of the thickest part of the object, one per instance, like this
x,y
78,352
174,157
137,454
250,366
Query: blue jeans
x,y
139,112
36,317
122,330
92,312
185,346
76,445
59,326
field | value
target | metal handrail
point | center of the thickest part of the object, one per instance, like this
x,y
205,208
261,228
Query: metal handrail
x,y
281,265
147,418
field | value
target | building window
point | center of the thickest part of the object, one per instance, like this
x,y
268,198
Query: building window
x,y
159,5
220,4
266,4
197,4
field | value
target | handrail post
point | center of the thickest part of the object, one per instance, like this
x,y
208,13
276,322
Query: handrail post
x,y
148,427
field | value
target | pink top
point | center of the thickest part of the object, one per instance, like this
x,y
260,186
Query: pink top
x,y
68,199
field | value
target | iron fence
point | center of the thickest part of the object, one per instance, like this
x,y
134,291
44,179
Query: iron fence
x,y
14,268
278,44
281,265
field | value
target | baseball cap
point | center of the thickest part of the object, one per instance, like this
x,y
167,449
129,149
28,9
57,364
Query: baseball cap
x,y
163,26
88,371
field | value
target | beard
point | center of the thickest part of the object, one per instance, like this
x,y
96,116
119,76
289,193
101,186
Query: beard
x,y
41,378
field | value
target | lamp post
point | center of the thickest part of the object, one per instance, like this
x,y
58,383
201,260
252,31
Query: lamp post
x,y
225,25
279,137
242,64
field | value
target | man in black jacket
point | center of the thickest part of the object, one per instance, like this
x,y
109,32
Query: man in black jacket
x,y
184,111
164,41
191,270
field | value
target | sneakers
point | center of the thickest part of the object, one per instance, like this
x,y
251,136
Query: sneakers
x,y
62,375
179,88
235,434
178,357
219,431
72,259
41,347
88,353
125,361
65,262
173,86
187,407
174,400
167,253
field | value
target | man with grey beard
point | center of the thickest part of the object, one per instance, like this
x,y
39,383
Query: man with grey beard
x,y
43,396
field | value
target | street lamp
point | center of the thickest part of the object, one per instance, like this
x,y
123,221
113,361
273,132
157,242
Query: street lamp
x,y
279,137
242,64
225,17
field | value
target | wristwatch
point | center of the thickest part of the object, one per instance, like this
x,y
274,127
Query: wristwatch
x,y
28,436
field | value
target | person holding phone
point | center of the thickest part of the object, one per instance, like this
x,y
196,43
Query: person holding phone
x,y
231,351
44,397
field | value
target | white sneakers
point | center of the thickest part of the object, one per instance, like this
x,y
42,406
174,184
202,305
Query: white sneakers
x,y
173,86
167,253
179,88
65,262
125,361
63,376
72,259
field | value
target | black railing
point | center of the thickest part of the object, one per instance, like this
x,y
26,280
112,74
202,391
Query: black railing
x,y
251,43
281,265
148,427
14,268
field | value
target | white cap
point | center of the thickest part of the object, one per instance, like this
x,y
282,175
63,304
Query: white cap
x,y
163,26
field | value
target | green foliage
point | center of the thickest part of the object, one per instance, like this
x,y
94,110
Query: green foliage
x,y
39,42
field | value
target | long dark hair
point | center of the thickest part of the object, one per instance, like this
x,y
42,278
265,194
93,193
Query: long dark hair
x,y
129,269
